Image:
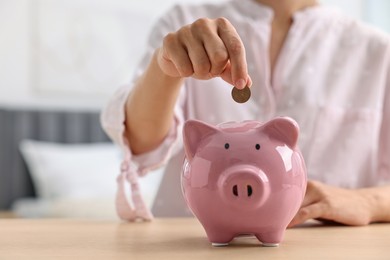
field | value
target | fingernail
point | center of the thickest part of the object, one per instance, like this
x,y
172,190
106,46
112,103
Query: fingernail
x,y
240,84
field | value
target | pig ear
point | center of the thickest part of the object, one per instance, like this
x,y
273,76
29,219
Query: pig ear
x,y
193,133
284,129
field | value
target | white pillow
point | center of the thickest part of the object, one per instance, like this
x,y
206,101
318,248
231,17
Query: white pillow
x,y
72,170
80,171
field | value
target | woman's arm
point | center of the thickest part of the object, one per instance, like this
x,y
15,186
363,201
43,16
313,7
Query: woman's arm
x,y
149,108
354,207
204,49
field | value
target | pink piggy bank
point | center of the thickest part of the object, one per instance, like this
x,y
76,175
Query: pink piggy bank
x,y
243,178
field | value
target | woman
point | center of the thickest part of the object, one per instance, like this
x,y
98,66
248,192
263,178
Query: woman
x,y
325,70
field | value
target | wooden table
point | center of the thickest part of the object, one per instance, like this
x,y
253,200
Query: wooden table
x,y
180,239
7,214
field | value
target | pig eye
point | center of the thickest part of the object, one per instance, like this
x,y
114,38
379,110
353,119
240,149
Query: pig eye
x,y
257,147
227,146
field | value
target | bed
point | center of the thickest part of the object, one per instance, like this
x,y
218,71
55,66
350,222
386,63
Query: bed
x,y
17,124
60,163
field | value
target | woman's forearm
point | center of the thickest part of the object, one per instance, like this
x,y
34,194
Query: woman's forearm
x,y
355,207
149,108
379,198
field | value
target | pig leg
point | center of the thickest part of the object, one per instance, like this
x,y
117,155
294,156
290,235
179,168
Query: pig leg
x,y
219,244
219,238
271,239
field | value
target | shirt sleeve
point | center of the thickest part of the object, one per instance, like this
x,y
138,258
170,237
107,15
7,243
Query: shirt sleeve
x,y
113,115
113,122
133,207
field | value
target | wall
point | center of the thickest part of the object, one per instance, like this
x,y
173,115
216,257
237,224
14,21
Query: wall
x,y
71,52
377,12
14,48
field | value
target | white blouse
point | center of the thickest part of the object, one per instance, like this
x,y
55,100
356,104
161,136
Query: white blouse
x,y
332,76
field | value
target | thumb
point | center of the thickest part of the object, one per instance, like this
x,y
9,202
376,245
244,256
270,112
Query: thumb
x,y
226,75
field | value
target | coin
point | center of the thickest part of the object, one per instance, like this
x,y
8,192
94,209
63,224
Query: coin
x,y
241,95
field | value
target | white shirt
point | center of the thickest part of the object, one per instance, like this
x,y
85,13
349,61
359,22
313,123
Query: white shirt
x,y
332,76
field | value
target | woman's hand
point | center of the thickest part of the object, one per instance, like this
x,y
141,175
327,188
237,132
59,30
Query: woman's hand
x,y
205,49
327,203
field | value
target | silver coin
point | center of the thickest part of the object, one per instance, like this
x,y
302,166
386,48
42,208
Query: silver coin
x,y
241,95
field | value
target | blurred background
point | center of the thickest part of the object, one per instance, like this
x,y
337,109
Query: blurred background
x,y
60,60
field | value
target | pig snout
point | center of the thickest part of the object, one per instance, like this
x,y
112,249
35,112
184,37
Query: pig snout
x,y
244,186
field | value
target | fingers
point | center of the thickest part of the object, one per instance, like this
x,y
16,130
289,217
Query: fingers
x,y
226,75
197,53
174,60
204,33
332,204
312,211
205,49
311,206
236,52
312,194
217,54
